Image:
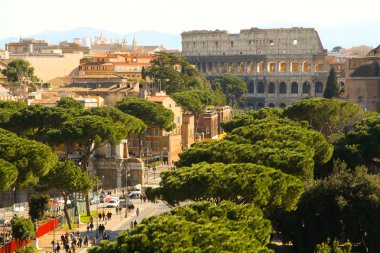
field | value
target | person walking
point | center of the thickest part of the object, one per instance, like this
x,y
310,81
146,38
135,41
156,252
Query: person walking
x,y
131,225
137,211
135,224
57,248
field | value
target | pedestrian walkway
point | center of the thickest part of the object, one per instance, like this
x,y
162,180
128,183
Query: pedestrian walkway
x,y
117,222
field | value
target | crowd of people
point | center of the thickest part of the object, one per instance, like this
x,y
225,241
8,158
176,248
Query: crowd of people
x,y
71,241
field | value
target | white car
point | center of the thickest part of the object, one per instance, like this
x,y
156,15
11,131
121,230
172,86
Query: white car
x,y
114,202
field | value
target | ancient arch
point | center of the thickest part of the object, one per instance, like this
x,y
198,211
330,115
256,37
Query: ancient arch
x,y
282,66
294,88
282,88
294,67
306,66
261,87
251,87
260,67
271,67
318,87
271,88
271,105
306,88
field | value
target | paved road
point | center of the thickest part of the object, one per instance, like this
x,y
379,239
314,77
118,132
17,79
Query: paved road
x,y
118,222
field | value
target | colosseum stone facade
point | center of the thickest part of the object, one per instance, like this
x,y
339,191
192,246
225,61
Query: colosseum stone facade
x,y
279,66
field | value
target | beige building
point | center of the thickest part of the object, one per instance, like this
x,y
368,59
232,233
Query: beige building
x,y
49,66
362,80
279,66
159,143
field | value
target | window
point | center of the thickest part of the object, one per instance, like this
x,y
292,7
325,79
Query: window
x,y
232,44
156,132
282,88
295,42
271,88
318,87
294,88
156,144
271,67
148,132
260,87
271,42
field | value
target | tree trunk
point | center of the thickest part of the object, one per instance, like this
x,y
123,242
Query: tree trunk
x,y
66,212
140,145
197,115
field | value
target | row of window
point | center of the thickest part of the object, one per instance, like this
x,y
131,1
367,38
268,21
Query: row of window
x,y
283,88
271,67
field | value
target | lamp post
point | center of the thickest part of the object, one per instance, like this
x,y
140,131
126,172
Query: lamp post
x,y
127,170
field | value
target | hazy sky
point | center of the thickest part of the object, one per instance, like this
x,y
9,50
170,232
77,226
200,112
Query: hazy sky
x,y
27,17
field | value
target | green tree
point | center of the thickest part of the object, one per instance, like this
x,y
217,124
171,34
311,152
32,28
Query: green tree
x,y
23,228
70,103
332,86
328,116
194,102
7,109
334,247
277,143
253,116
234,87
243,183
68,178
8,175
149,112
336,49
361,144
200,227
18,70
31,158
344,205
88,133
175,74
38,205
35,121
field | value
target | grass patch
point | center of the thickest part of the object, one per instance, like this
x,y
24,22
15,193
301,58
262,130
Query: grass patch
x,y
86,219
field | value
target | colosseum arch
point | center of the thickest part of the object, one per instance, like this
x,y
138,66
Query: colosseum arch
x,y
306,88
271,88
260,67
271,105
241,69
282,105
251,68
251,87
271,67
294,67
261,87
306,66
282,88
282,66
294,88
318,66
318,87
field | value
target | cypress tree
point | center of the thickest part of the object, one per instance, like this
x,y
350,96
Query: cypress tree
x,y
332,85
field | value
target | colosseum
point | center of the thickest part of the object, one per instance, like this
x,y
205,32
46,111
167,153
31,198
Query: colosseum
x,y
279,66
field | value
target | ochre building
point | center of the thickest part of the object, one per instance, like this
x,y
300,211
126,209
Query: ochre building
x,y
279,66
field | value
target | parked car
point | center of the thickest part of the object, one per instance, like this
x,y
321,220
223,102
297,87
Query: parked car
x,y
114,202
134,194
95,200
105,199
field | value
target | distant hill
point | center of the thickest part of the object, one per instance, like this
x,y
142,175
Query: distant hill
x,y
169,41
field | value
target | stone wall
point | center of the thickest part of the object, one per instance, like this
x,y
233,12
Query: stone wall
x,y
279,66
